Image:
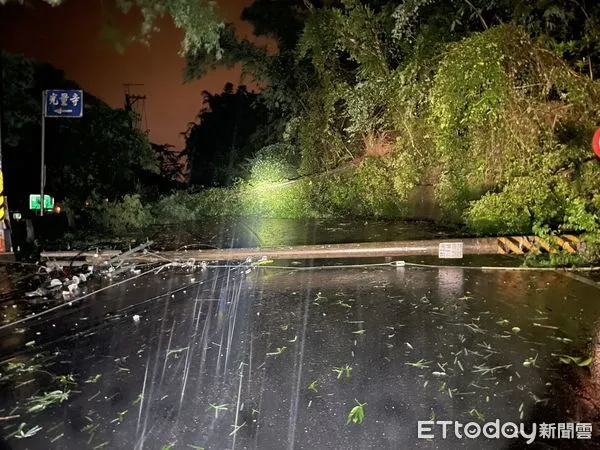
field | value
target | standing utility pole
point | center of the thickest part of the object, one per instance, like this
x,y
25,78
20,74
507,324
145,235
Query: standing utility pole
x,y
135,105
56,103
43,149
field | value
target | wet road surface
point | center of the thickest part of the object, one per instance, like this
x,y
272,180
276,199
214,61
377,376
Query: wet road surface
x,y
240,357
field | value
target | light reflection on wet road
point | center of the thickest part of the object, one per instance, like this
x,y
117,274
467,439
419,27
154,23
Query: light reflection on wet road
x,y
232,358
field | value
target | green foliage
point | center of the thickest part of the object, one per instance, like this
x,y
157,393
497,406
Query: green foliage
x,y
495,121
589,253
319,40
352,63
483,99
272,164
287,201
101,155
366,105
95,157
184,206
577,360
578,218
469,94
197,19
343,371
406,18
125,216
285,78
499,213
200,61
320,134
178,207
367,191
491,102
568,28
493,114
591,247
357,413
503,113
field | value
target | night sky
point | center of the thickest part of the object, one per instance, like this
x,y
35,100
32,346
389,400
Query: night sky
x,y
68,37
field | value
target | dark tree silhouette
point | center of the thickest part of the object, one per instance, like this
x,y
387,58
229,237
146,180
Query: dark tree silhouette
x,y
222,140
98,155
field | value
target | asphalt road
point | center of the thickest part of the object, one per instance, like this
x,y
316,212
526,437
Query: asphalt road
x,y
276,358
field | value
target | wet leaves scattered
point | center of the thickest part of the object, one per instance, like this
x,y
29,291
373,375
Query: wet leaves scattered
x,y
579,361
176,351
341,371
420,364
218,408
357,413
41,402
278,351
529,362
475,413
93,379
472,356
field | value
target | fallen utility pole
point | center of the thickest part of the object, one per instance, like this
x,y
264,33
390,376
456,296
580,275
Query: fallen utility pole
x,y
76,259
358,250
518,245
123,256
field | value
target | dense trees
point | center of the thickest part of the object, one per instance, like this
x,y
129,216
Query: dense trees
x,y
225,137
493,102
97,156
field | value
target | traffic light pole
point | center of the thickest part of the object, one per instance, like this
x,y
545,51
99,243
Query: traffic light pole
x,y
43,150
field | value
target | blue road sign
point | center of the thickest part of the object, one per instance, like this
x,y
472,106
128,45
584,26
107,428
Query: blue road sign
x,y
63,103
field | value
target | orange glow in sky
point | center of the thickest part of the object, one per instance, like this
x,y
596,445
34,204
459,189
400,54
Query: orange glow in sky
x,y
67,37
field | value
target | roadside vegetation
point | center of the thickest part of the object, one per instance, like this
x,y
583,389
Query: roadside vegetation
x,y
492,103
494,106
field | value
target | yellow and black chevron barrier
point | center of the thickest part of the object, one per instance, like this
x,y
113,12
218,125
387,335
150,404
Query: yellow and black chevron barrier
x,y
3,213
2,202
519,245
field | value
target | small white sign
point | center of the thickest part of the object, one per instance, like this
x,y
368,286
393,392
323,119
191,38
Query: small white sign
x,y
450,250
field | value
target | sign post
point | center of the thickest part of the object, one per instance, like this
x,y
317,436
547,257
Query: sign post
x,y
43,150
57,103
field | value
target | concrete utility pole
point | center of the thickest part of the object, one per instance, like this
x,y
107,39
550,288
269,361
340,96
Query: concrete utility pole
x,y
43,155
135,105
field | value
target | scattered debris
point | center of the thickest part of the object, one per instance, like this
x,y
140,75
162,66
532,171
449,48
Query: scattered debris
x,y
21,433
357,413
